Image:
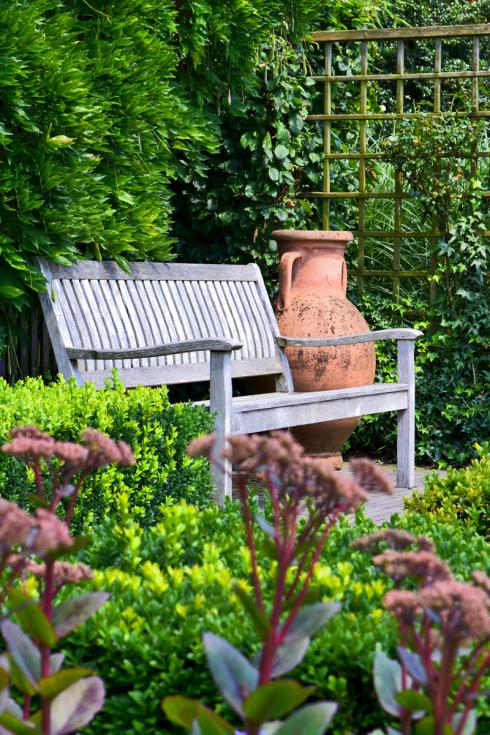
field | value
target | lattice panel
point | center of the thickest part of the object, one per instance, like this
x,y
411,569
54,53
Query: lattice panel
x,y
364,86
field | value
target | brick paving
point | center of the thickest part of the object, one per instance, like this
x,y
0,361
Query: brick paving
x,y
381,507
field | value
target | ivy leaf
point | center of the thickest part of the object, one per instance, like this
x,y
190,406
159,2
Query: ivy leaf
x,y
281,152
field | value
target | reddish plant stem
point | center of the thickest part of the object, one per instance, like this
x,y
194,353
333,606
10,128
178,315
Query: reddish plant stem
x,y
47,605
73,500
444,688
301,564
247,519
304,589
26,709
39,480
272,640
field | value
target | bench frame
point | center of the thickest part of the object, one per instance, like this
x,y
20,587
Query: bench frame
x,y
249,414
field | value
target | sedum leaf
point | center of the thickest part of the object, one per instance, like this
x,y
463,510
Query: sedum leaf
x,y
313,617
32,618
413,664
73,613
313,719
193,715
290,655
24,658
414,702
77,705
469,726
51,686
387,682
274,700
235,677
9,723
260,621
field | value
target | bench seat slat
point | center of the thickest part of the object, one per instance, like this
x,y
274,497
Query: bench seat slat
x,y
277,410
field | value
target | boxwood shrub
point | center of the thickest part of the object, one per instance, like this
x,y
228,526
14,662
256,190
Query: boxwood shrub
x,y
157,431
462,495
172,581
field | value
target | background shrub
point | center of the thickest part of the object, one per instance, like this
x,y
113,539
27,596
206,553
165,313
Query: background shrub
x,y
157,431
462,496
171,582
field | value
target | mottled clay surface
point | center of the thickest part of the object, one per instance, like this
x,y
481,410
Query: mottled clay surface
x,y
312,303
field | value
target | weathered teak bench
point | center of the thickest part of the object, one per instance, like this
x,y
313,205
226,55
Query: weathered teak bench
x,y
166,323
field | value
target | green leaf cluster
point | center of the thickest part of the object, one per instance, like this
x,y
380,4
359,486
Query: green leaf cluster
x,y
172,581
157,431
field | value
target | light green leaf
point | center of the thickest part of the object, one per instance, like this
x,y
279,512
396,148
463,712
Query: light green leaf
x,y
51,686
313,719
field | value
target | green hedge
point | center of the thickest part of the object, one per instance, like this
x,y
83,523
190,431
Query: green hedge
x,y
171,582
157,431
461,496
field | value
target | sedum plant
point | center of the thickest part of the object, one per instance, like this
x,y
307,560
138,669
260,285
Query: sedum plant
x,y
306,499
444,628
33,551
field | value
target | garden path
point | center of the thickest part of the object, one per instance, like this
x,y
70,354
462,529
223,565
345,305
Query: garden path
x,y
381,507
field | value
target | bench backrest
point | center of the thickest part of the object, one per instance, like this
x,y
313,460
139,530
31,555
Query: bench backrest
x,y
98,305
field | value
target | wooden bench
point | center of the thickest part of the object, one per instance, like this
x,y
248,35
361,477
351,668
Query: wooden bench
x,y
170,323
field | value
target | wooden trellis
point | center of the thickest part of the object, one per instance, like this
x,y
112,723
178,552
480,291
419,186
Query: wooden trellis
x,y
335,43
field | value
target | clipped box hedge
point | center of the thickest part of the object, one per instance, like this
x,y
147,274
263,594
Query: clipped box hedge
x,y
157,431
171,582
461,496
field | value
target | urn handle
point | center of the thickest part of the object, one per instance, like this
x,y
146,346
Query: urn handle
x,y
285,279
343,278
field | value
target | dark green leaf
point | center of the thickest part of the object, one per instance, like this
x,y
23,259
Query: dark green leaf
x,y
260,621
274,700
414,701
51,686
32,618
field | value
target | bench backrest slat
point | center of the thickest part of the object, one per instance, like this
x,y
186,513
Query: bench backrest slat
x,y
99,305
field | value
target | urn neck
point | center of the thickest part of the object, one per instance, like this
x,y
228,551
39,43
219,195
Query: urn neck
x,y
312,262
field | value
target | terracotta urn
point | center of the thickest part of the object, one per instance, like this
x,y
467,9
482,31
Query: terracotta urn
x,y
312,303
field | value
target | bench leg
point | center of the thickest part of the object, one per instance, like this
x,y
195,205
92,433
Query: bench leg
x,y
220,405
405,448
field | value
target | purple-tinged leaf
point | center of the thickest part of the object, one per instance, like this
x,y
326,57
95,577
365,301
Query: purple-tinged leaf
x,y
77,705
73,613
387,682
313,719
469,726
235,677
413,664
311,618
266,527
56,662
24,658
289,655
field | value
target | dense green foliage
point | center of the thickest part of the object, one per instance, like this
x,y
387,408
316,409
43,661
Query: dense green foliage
x,y
462,495
173,581
157,431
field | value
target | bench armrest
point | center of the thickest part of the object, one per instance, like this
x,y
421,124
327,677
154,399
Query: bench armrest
x,y
350,339
173,348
